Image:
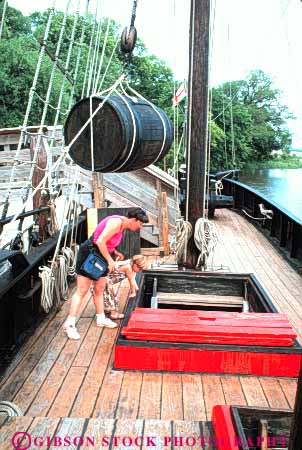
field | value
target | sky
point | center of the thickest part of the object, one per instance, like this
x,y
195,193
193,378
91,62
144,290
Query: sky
x,y
247,35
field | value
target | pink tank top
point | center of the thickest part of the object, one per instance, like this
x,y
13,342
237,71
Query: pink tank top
x,y
115,240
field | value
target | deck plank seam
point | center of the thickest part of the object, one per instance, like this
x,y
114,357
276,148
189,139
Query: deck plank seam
x,y
62,381
284,393
23,360
139,397
267,269
83,380
109,366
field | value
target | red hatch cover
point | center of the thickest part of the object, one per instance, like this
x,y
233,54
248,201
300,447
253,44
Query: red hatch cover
x,y
210,327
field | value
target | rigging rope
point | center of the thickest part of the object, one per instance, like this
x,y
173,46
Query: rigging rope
x,y
98,73
88,62
81,43
92,62
3,17
108,65
28,109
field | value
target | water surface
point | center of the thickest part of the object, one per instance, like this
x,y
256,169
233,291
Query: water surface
x,y
283,186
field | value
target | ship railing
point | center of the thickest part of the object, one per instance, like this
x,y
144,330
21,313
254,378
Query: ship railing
x,y
283,228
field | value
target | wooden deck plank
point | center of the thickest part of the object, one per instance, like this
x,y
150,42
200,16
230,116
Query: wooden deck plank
x,y
10,427
86,398
64,400
172,404
73,428
186,434
16,378
88,346
40,345
159,432
289,387
42,397
150,406
43,428
232,390
100,431
88,402
273,393
129,398
107,397
32,383
193,395
213,393
128,430
206,431
272,266
253,391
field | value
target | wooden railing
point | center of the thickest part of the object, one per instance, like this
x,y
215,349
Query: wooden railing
x,y
284,228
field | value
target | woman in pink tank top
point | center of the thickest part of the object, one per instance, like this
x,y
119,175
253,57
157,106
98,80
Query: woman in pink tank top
x,y
106,237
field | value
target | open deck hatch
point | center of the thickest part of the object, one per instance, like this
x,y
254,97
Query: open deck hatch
x,y
205,322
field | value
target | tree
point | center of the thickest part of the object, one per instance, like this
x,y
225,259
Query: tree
x,y
253,118
18,60
15,24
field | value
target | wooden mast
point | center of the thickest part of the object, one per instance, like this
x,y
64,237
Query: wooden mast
x,y
197,117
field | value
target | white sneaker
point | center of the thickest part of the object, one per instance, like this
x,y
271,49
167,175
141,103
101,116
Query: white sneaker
x,y
105,323
71,332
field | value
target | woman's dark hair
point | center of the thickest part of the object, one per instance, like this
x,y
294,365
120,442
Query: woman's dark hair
x,y
138,214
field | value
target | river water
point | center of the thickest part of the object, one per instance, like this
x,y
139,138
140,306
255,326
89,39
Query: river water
x,y
283,186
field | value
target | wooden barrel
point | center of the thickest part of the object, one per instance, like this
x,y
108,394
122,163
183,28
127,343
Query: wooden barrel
x,y
128,134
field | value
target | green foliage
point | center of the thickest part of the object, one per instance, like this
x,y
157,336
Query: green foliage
x,y
15,24
288,162
247,121
253,118
18,60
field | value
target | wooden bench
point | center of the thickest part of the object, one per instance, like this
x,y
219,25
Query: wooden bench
x,y
215,301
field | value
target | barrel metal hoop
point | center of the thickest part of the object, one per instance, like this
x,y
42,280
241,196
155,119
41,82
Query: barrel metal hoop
x,y
134,134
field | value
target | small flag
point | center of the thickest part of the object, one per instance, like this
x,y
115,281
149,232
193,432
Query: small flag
x,y
179,95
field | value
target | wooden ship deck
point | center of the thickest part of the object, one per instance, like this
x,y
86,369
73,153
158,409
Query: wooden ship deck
x,y
59,383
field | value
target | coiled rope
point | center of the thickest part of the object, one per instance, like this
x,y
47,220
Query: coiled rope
x,y
48,282
206,239
183,233
9,409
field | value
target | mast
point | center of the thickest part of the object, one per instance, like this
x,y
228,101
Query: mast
x,y
197,117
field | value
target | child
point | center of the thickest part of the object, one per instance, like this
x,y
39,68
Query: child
x,y
125,269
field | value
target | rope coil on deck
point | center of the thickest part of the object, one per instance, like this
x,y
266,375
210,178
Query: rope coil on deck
x,y
206,239
9,409
183,233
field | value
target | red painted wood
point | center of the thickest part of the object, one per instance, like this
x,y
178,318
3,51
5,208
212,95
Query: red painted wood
x,y
215,327
195,312
193,320
204,339
207,361
225,436
210,330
